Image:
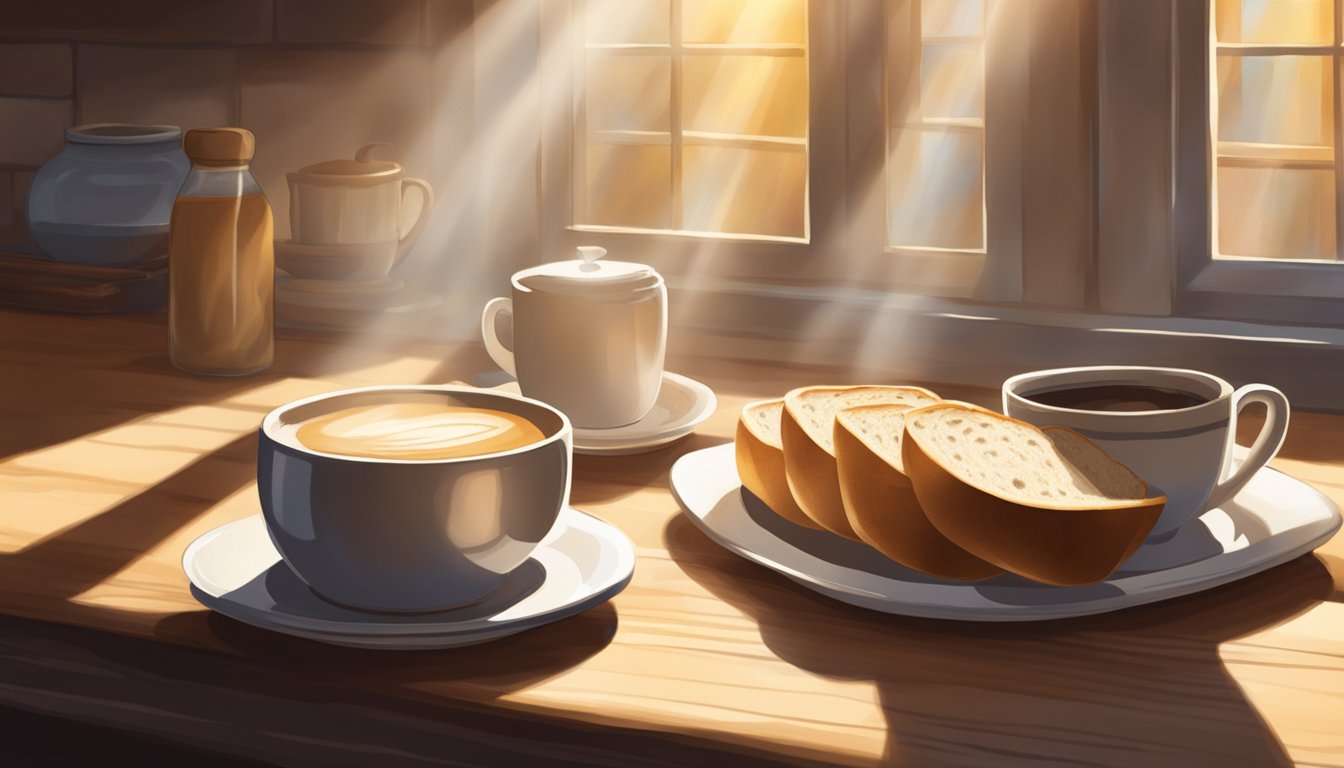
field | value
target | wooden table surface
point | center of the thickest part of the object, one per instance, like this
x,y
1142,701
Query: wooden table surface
x,y
111,462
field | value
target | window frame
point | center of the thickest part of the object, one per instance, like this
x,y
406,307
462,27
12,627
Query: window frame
x,y
1288,292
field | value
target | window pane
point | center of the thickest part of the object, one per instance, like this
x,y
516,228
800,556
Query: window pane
x,y
752,95
951,18
1276,213
935,174
936,188
1275,99
1275,21
747,191
629,185
628,21
730,155
952,82
629,92
744,21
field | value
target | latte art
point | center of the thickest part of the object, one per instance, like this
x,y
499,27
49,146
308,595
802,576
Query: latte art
x,y
424,431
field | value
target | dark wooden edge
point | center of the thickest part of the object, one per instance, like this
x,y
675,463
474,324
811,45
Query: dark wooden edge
x,y
258,711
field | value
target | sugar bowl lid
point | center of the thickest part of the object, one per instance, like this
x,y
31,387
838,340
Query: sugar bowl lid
x,y
361,171
588,272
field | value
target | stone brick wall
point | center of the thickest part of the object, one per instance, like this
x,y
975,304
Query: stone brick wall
x,y
313,79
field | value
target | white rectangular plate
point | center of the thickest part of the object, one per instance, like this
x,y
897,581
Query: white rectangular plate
x,y
1273,520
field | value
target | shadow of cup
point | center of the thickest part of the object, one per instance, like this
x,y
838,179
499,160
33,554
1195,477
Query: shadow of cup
x,y
492,669
1141,686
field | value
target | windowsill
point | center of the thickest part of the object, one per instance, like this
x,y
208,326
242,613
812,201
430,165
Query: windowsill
x,y
974,343
688,234
1304,279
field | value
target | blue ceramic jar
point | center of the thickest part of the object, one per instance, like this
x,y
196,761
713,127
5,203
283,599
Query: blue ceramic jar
x,y
108,196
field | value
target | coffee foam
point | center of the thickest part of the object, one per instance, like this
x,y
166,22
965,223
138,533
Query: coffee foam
x,y
414,431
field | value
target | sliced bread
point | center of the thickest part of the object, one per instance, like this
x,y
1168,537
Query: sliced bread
x,y
880,501
760,459
807,432
1048,505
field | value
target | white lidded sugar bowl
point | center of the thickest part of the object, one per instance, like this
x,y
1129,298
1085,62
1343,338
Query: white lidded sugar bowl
x,y
589,337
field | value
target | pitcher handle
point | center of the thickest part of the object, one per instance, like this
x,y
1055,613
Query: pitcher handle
x,y
1266,444
426,203
502,355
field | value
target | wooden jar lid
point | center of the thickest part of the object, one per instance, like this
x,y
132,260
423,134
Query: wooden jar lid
x,y
219,147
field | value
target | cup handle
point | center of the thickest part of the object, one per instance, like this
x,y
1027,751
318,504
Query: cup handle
x,y
501,354
1266,444
426,202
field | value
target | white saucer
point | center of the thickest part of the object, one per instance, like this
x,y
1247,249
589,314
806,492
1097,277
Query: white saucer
x,y
1274,519
583,562
683,404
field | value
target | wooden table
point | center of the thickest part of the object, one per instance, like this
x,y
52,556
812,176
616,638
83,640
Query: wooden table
x,y
111,462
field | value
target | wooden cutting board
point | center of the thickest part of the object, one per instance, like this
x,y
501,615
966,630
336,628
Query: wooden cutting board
x,y
41,284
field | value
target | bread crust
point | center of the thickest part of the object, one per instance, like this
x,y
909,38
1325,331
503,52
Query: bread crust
x,y
1058,545
811,471
761,468
882,508
813,478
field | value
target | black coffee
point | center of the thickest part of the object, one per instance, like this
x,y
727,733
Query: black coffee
x,y
1118,397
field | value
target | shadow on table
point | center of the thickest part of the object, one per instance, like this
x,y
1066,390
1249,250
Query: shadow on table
x,y
492,669
83,555
1142,686
50,406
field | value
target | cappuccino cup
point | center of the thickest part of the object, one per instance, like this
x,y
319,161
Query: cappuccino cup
x,y
411,498
589,337
1173,427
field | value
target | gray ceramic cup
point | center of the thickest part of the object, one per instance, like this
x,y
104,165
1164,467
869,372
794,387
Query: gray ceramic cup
x,y
410,535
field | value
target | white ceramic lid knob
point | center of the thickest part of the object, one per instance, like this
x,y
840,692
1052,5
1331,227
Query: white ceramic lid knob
x,y
590,254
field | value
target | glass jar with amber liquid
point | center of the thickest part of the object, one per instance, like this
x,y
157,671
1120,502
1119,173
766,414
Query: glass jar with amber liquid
x,y
221,260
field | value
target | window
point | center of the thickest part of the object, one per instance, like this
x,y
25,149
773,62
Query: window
x,y
1256,161
1121,157
693,118
1277,130
835,144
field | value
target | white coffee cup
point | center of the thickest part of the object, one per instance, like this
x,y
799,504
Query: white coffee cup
x,y
357,204
589,337
1182,453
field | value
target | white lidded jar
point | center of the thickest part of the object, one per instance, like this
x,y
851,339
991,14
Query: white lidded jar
x,y
589,337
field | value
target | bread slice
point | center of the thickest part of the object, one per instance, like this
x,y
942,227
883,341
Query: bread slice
x,y
880,500
807,429
760,459
1045,504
